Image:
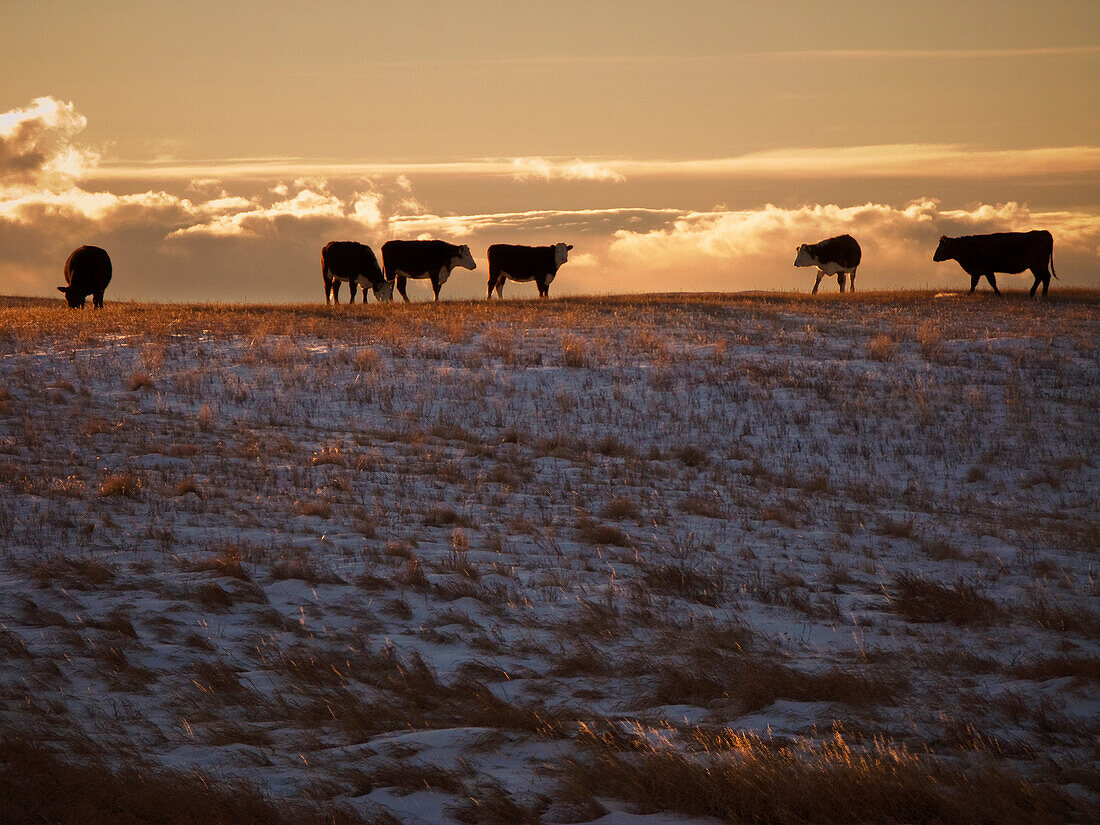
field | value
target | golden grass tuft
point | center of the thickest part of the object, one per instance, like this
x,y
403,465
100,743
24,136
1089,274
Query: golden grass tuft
x,y
746,778
882,348
120,484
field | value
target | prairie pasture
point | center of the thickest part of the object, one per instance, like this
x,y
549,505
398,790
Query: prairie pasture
x,y
657,559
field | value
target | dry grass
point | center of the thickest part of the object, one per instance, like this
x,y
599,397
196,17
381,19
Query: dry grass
x,y
882,348
930,340
920,599
750,779
39,785
673,506
120,484
750,682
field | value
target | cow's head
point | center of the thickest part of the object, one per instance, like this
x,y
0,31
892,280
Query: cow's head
x,y
561,253
383,291
943,251
463,258
75,300
804,257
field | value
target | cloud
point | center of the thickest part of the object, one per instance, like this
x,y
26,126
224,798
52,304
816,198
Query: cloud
x,y
895,160
542,169
35,144
755,248
928,161
531,223
253,229
228,217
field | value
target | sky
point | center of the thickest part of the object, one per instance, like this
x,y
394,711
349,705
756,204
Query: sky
x,y
214,147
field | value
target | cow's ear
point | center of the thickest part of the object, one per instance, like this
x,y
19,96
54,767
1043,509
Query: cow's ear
x,y
62,289
943,238
568,247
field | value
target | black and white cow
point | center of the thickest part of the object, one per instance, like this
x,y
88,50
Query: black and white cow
x,y
1012,252
87,272
423,259
835,256
525,263
354,263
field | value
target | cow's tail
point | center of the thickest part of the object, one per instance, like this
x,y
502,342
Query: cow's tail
x,y
1052,272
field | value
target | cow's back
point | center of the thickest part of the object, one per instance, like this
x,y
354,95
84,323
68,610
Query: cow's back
x,y
350,259
416,257
1009,252
525,260
88,268
843,250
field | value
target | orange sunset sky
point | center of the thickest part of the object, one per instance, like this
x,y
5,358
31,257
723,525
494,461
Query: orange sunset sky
x,y
213,147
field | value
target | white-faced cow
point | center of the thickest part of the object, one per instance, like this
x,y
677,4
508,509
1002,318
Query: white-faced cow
x,y
835,256
525,263
1011,252
354,263
87,272
423,259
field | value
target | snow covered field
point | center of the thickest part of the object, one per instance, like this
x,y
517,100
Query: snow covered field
x,y
650,559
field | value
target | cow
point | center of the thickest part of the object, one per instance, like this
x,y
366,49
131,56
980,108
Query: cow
x,y
87,272
1010,252
525,263
423,259
834,256
355,263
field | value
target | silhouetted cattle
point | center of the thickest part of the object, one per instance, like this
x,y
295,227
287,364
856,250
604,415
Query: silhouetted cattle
x,y
423,259
1011,252
525,263
354,263
835,256
87,272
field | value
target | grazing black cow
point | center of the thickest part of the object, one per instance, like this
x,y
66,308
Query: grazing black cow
x,y
423,259
834,256
1011,252
355,263
87,272
525,263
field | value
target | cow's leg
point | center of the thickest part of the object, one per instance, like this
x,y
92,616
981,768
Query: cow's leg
x,y
353,286
852,282
974,282
993,282
1041,277
500,289
436,286
401,281
97,300
328,288
840,280
817,283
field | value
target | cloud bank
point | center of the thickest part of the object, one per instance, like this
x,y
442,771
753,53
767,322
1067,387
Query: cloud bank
x,y
252,230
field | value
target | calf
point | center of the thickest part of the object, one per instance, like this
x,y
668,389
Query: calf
x,y
525,263
834,256
1011,252
87,272
423,259
354,263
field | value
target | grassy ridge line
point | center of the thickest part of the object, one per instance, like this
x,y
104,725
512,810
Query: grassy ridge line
x,y
37,318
